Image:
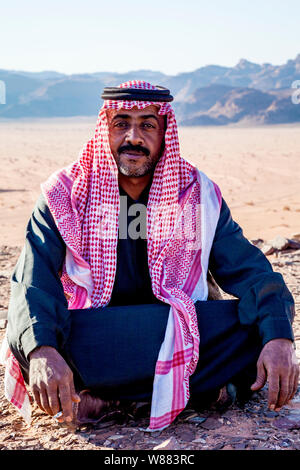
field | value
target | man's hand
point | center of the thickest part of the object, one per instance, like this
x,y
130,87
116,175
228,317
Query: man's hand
x,y
278,365
51,381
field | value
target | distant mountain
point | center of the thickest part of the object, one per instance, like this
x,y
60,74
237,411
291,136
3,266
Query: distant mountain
x,y
210,95
220,105
46,75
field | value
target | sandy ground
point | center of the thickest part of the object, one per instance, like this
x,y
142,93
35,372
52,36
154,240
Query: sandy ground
x,y
258,171
239,427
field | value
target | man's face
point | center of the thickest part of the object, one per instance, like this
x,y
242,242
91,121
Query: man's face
x,y
136,138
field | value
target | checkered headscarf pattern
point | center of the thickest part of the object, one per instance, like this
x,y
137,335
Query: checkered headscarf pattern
x,y
84,201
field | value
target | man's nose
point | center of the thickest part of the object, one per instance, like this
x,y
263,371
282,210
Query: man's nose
x,y
134,136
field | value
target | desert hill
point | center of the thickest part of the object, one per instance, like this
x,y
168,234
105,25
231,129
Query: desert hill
x,y
247,92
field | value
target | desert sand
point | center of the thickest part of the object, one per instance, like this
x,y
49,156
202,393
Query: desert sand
x,y
258,171
256,168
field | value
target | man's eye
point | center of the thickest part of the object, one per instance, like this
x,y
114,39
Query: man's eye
x,y
148,125
121,124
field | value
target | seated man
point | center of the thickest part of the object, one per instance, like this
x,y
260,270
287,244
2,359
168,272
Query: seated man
x,y
117,303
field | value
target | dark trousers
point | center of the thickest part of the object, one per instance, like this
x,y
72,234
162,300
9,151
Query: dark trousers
x,y
113,350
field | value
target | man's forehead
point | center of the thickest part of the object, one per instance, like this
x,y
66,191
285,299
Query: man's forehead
x,y
134,112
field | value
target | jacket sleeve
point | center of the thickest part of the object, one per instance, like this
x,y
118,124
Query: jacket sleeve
x,y
38,313
242,270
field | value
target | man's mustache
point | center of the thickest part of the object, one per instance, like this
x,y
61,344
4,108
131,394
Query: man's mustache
x,y
134,148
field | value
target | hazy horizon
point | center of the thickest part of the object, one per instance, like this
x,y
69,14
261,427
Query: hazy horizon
x,y
150,70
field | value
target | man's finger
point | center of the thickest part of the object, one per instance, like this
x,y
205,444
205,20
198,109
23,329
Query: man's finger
x,y
66,402
284,393
261,377
37,399
291,386
273,391
74,396
295,383
297,377
53,400
44,400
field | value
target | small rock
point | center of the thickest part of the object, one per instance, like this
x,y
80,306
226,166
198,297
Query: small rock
x,y
133,424
107,443
135,439
295,236
156,434
199,440
257,242
286,443
196,419
294,244
261,437
294,404
211,423
169,444
240,446
3,425
105,424
115,437
267,249
270,414
280,243
126,429
219,446
286,423
70,440
294,414
236,440
186,435
188,413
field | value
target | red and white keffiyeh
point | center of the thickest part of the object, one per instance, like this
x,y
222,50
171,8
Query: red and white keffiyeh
x,y
182,214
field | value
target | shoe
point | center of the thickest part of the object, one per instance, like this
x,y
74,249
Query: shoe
x,y
227,397
91,410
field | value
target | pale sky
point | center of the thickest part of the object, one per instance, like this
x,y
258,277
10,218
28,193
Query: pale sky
x,y
169,36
